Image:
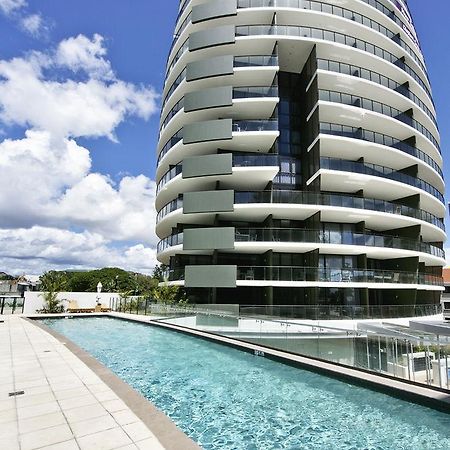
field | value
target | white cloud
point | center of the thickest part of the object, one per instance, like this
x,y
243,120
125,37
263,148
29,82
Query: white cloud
x,y
68,107
125,212
54,248
83,54
35,171
10,6
47,188
33,24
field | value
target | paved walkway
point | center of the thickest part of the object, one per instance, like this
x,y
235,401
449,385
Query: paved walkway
x,y
65,405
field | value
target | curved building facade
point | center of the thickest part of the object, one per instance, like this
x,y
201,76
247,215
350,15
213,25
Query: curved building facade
x,y
298,156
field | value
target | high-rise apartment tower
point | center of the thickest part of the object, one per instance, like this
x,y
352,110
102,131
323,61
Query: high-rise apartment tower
x,y
298,156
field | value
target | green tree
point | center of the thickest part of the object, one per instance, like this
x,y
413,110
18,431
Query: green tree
x,y
81,282
169,294
54,281
144,284
51,303
113,279
159,272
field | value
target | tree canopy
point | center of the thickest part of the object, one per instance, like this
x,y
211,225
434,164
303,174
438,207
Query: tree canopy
x,y
113,279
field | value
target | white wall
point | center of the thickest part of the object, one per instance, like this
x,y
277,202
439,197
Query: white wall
x,y
34,300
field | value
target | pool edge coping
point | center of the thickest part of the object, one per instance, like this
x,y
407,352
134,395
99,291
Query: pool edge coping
x,y
165,430
414,393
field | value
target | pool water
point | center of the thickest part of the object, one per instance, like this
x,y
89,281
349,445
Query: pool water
x,y
227,399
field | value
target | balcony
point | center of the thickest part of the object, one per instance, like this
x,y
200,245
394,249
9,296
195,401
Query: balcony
x,y
380,171
290,198
377,107
331,36
314,276
340,12
336,200
381,139
375,77
238,93
295,235
237,63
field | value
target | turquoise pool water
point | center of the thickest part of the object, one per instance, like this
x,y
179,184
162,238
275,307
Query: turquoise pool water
x,y
226,399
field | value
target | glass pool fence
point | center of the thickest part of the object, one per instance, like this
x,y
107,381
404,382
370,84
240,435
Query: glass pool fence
x,y
330,333
148,306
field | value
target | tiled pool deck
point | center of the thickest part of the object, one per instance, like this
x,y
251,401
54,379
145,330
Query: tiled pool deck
x,y
66,405
71,401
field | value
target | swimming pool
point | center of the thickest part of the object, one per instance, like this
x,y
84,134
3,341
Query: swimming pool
x,y
227,399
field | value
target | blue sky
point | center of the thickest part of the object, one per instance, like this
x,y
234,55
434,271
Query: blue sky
x,y
90,216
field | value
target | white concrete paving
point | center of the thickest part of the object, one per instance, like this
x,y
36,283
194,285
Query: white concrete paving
x,y
65,405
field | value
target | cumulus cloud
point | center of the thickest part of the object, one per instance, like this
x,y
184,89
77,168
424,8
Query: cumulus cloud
x,y
10,6
33,24
83,54
52,205
122,212
69,107
55,249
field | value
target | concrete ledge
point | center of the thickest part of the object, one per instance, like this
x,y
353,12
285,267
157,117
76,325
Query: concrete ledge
x,y
170,436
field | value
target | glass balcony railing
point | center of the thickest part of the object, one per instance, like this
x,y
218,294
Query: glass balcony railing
x,y
178,107
381,108
239,61
170,207
238,93
337,11
325,275
255,92
289,273
255,160
181,51
334,237
169,175
378,138
326,35
183,5
336,200
237,160
370,75
177,137
296,235
180,78
317,198
256,61
170,241
406,26
238,126
180,30
241,126
379,171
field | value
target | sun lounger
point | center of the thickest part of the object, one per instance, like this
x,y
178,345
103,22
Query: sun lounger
x,y
74,308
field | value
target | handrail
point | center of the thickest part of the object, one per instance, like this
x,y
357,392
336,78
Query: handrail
x,y
318,237
339,11
375,77
316,198
378,107
335,129
333,36
325,275
380,171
